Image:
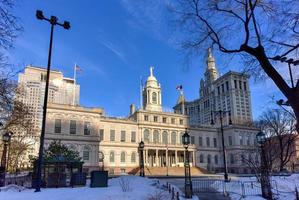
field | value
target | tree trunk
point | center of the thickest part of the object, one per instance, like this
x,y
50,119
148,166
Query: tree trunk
x,y
292,94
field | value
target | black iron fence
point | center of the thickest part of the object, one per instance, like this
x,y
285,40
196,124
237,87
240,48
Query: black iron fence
x,y
242,188
20,180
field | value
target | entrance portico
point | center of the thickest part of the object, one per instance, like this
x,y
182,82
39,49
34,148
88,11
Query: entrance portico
x,y
167,157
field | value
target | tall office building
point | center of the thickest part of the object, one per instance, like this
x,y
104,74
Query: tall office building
x,y
229,92
62,90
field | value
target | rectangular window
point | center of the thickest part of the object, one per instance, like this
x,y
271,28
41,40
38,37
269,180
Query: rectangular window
x,y
155,118
145,118
72,127
248,140
230,140
173,120
85,155
241,139
164,119
57,126
181,122
218,89
133,136
112,135
208,141
101,134
200,141
215,142
245,86
87,128
240,85
235,81
123,136
222,87
192,140
227,86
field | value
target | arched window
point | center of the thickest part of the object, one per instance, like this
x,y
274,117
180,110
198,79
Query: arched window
x,y
123,157
111,157
165,137
156,137
216,159
209,159
173,138
86,152
146,135
232,159
72,147
154,98
181,137
133,157
201,158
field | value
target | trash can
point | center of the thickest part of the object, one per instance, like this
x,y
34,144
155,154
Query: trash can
x,y
78,179
99,179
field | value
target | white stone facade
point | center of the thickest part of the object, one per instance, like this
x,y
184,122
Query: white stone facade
x,y
62,90
229,92
115,140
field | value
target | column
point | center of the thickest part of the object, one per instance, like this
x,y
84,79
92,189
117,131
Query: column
x,y
146,156
193,159
157,158
166,157
176,157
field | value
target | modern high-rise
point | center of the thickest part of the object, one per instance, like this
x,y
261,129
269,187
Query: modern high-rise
x,y
229,92
62,90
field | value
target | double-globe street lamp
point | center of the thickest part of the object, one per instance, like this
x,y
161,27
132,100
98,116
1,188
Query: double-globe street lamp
x,y
221,114
188,182
265,179
141,160
6,137
66,25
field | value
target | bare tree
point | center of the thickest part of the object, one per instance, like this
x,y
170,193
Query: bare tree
x,y
260,31
9,24
17,119
279,126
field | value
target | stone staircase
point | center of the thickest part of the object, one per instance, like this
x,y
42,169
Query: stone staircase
x,y
172,171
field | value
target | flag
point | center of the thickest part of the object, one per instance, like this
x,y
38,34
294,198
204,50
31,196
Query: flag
x,y
179,87
77,68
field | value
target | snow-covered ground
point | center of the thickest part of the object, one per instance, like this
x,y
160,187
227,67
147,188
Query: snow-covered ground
x,y
285,186
138,188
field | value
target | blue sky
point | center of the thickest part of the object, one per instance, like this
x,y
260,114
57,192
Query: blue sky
x,y
115,42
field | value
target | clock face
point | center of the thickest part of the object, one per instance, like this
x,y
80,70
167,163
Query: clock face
x,y
101,156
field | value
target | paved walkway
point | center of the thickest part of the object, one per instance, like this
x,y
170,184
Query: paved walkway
x,y
213,195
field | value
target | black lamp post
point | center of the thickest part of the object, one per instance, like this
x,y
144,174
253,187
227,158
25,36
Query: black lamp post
x,y
141,160
66,25
221,113
188,182
6,140
265,180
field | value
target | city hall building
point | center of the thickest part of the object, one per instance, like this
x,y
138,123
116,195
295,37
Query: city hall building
x,y
111,143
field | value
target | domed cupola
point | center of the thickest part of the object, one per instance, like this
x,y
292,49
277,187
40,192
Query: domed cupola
x,y
152,93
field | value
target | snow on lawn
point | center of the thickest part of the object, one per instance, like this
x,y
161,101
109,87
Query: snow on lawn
x,y
138,188
285,187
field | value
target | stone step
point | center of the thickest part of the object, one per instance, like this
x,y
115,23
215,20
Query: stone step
x,y
172,171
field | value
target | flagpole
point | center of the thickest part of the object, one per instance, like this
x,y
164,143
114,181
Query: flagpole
x,y
74,88
183,103
140,99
